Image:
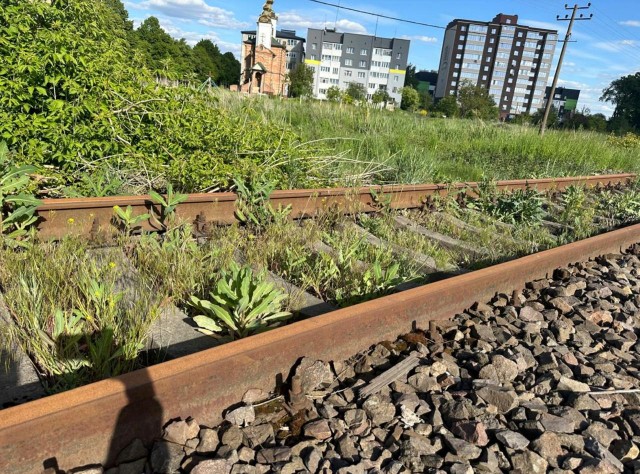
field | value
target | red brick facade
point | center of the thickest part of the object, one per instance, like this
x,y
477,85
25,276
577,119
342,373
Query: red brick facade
x,y
274,60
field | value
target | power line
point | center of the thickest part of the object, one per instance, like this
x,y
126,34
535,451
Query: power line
x,y
379,15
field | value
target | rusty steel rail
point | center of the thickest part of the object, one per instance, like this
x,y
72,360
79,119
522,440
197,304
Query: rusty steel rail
x,y
91,424
59,217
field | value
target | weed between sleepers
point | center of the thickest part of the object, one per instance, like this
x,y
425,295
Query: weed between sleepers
x,y
80,319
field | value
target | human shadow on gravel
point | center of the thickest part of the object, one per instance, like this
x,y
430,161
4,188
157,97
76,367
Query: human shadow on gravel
x,y
141,418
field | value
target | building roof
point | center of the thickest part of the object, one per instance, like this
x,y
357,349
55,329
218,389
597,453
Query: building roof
x,y
565,93
427,76
499,20
283,34
378,42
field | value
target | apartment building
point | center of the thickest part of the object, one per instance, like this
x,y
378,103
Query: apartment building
x,y
512,61
565,100
341,58
293,44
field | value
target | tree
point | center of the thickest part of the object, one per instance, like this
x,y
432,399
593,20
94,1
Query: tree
x,y
624,93
410,79
301,81
207,60
448,106
334,94
229,70
165,56
381,96
552,120
410,99
118,7
475,102
426,100
356,91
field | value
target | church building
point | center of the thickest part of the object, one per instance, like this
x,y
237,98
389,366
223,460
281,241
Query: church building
x,y
264,58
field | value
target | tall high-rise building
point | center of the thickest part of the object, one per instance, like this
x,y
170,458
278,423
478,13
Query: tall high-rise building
x,y
512,61
341,58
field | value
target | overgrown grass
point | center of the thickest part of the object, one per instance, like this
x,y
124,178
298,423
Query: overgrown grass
x,y
71,314
379,146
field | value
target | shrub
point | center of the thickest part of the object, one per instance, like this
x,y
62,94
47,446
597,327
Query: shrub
x,y
241,304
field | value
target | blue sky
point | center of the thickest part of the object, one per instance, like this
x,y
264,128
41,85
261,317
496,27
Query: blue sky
x,y
607,47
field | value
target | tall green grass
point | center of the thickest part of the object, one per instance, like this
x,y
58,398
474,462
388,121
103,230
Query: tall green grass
x,y
379,146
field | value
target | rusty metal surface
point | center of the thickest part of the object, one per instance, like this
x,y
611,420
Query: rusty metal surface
x,y
92,423
59,217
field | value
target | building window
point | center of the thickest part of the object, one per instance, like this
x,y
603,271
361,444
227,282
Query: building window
x,y
322,91
484,78
314,46
364,52
361,75
396,78
462,37
348,73
314,57
336,70
372,85
493,31
460,46
489,50
486,68
454,83
399,56
520,34
348,62
325,68
458,56
349,50
463,28
363,64
478,28
492,40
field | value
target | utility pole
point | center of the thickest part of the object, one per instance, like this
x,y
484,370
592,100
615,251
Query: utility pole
x,y
567,37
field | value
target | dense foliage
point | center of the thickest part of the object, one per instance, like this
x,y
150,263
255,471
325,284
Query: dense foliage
x,y
624,93
301,81
77,96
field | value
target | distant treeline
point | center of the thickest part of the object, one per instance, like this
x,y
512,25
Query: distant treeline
x,y
175,59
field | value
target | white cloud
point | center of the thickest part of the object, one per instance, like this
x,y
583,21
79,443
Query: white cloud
x,y
425,39
295,20
195,10
615,46
634,23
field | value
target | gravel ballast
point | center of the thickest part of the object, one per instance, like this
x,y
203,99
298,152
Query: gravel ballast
x,y
512,385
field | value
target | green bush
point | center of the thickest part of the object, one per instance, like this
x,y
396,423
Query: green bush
x,y
77,98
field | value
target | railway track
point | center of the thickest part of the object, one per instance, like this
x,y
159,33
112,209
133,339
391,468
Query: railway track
x,y
92,424
89,215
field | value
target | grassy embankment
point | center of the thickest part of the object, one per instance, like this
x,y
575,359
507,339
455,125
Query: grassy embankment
x,y
397,147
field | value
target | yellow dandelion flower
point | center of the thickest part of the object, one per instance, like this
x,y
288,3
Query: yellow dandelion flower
x,y
71,220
